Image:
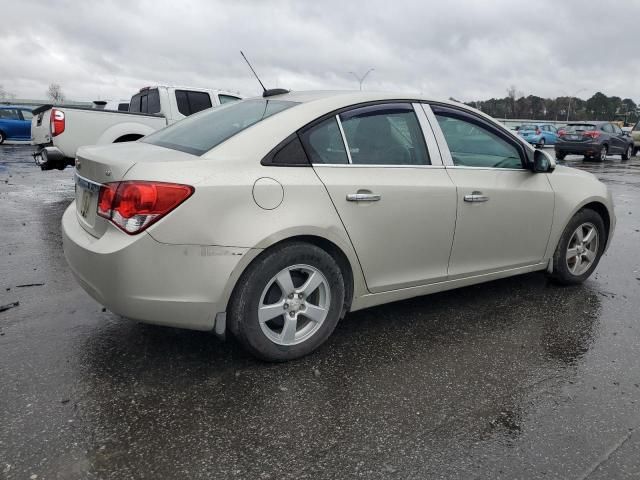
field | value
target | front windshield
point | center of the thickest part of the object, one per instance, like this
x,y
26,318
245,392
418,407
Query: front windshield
x,y
201,132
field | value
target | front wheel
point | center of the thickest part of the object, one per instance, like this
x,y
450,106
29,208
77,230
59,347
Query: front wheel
x,y
628,153
3,137
579,249
287,302
541,143
560,155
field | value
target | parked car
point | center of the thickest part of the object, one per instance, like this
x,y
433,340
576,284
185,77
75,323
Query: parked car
x,y
15,123
635,134
274,217
539,134
58,132
594,140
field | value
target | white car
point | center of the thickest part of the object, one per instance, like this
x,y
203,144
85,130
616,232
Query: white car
x,y
274,217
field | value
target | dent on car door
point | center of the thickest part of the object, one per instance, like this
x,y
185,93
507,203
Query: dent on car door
x,y
505,210
390,190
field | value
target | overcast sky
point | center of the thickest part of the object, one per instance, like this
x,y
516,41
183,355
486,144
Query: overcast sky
x,y
465,49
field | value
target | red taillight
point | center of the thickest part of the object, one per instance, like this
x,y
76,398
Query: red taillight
x,y
134,205
591,133
561,133
57,122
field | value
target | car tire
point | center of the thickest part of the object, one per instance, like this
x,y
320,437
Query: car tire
x,y
560,155
602,156
635,151
270,285
541,143
3,137
575,260
628,153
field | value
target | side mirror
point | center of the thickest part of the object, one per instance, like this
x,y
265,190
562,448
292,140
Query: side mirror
x,y
543,162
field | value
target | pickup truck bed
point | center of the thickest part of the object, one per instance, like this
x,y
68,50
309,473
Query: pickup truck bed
x,y
81,124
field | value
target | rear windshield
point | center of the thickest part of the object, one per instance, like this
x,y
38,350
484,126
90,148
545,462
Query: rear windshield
x,y
201,132
529,127
578,128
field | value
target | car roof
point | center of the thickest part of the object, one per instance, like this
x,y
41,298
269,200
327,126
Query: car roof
x,y
355,96
586,122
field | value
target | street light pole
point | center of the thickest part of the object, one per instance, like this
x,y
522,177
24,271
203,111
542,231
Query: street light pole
x,y
569,105
361,79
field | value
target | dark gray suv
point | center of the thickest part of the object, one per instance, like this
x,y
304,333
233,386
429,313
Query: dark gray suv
x,y
593,140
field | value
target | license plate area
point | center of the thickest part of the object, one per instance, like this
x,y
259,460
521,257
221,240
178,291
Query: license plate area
x,y
86,199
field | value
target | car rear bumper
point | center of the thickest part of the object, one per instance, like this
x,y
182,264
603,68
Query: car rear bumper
x,y
586,148
142,279
532,139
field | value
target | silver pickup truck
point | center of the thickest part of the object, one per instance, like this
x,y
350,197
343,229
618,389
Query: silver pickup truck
x,y
58,131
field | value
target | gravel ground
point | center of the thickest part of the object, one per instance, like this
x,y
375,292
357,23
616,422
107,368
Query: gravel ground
x,y
511,379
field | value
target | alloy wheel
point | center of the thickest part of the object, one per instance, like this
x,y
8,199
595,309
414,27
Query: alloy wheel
x,y
582,249
603,154
294,305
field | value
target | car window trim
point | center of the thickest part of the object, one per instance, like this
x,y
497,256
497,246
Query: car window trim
x,y
464,115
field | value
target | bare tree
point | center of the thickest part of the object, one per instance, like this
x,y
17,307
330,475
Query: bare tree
x,y
55,93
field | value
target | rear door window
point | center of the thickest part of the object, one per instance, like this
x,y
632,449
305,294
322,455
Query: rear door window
x,y
190,102
323,143
26,114
607,127
386,134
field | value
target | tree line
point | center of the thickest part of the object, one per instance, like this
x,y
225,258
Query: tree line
x,y
597,107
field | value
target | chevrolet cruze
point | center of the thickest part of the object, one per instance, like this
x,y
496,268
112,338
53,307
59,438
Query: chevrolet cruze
x,y
275,216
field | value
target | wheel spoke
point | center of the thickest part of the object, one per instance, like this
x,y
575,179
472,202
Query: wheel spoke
x,y
312,283
579,234
285,282
572,253
588,238
591,256
268,312
289,329
576,265
314,313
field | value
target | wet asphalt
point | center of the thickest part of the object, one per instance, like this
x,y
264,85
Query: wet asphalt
x,y
516,378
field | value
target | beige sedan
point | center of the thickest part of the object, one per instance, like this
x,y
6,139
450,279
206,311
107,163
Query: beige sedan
x,y
275,216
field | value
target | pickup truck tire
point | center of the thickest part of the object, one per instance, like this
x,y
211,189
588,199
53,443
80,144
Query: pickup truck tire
x,y
628,153
3,137
128,138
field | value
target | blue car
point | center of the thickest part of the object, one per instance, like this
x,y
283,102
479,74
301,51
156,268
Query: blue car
x,y
539,134
15,123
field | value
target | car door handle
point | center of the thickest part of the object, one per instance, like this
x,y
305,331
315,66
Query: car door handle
x,y
476,197
363,197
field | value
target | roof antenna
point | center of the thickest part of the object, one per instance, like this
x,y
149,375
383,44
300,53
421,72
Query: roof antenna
x,y
266,92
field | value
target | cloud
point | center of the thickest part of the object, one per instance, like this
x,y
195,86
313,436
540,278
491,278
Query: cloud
x,y
465,49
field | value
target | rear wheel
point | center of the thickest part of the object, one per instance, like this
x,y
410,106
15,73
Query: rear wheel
x,y
3,137
560,155
579,249
541,143
603,154
628,153
288,302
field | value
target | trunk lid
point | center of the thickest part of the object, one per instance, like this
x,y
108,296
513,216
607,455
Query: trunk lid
x,y
97,165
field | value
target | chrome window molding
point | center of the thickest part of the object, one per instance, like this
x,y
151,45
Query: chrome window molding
x,y
370,165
